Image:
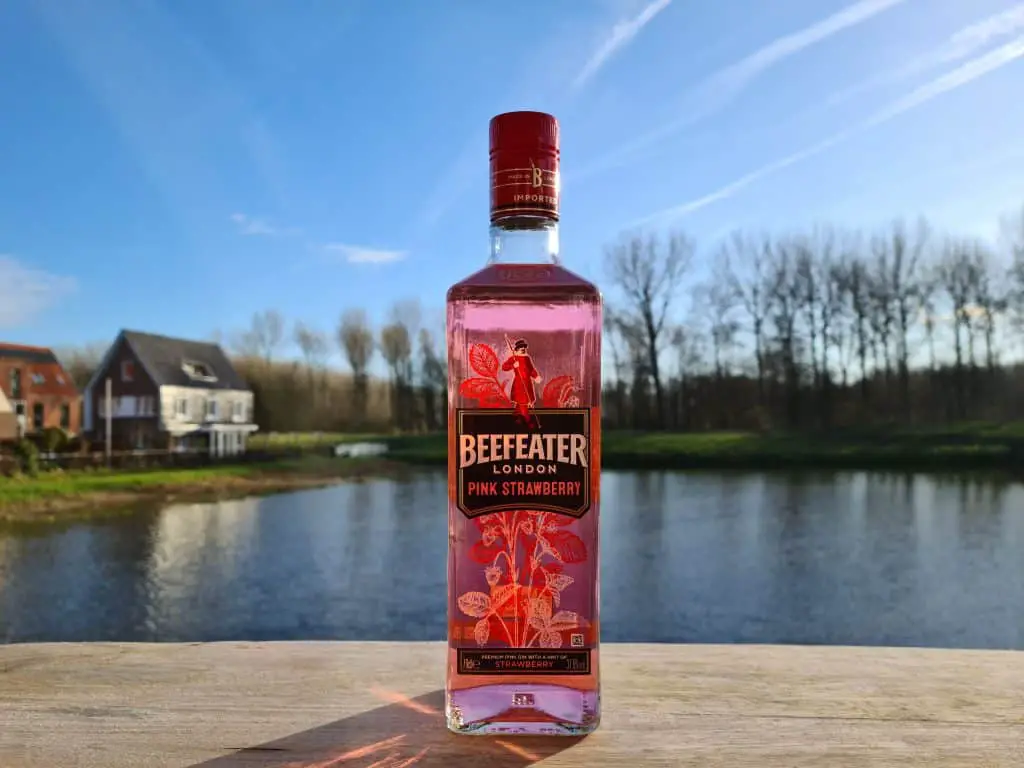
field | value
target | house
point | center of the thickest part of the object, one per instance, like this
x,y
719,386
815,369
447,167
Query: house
x,y
39,389
169,393
8,421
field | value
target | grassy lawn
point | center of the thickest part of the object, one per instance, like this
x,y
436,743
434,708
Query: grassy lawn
x,y
260,441
983,446
61,492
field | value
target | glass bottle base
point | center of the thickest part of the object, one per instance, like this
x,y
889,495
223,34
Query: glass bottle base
x,y
526,709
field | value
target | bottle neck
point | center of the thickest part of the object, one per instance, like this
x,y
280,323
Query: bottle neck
x,y
524,240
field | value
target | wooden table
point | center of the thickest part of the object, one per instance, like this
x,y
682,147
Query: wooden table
x,y
355,705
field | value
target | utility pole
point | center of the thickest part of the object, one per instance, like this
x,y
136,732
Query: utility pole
x,y
107,411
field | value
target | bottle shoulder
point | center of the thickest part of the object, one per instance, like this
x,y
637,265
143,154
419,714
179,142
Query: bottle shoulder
x,y
522,280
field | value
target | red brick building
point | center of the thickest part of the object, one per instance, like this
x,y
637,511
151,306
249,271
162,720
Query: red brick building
x,y
39,390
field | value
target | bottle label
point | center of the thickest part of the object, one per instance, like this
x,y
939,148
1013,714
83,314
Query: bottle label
x,y
523,455
524,184
510,460
523,661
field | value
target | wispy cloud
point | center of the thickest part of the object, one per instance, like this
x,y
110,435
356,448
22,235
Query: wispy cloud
x,y
360,254
254,226
722,87
25,291
620,36
956,78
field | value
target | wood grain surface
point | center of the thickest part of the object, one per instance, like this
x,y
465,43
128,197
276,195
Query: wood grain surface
x,y
357,705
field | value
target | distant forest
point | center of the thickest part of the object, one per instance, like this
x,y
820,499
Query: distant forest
x,y
808,330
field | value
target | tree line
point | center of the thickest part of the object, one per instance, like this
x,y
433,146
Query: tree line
x,y
813,330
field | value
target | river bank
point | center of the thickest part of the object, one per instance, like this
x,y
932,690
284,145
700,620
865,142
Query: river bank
x,y
62,495
969,447
959,448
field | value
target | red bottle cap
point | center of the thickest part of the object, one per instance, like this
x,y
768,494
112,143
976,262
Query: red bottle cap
x,y
524,165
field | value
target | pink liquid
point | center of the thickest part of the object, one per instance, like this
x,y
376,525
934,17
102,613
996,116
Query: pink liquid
x,y
536,554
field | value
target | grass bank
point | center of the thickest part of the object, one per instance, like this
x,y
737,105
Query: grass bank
x,y
961,447
60,495
957,448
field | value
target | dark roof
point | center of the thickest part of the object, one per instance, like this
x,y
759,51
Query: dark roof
x,y
28,354
162,357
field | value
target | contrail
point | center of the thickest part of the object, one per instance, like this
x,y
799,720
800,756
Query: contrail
x,y
722,87
621,35
962,44
457,177
963,75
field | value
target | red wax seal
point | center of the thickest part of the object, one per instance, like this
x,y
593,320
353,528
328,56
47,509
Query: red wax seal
x,y
524,165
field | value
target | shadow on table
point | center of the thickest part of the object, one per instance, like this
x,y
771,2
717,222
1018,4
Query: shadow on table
x,y
409,733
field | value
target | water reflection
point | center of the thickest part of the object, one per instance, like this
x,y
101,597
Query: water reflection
x,y
849,558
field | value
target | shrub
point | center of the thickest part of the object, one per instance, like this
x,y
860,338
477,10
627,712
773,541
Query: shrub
x,y
27,455
54,440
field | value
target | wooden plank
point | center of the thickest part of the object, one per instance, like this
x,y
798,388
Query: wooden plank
x,y
345,705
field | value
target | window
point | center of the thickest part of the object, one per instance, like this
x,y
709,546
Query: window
x,y
16,393
211,409
146,406
65,416
198,371
60,379
238,410
38,378
37,416
181,408
127,370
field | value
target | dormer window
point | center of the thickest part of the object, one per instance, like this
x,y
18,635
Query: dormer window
x,y
38,378
127,370
198,371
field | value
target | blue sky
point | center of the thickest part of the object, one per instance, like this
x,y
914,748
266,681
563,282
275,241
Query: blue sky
x,y
175,166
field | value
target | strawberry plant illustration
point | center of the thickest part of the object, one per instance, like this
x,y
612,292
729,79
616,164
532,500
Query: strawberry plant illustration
x,y
491,392
523,553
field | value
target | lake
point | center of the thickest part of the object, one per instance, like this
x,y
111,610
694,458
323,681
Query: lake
x,y
834,558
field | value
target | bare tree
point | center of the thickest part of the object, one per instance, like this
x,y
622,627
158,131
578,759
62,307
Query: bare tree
x,y
1013,234
857,288
355,338
81,362
263,338
955,276
898,289
744,261
396,348
717,304
433,381
650,273
315,349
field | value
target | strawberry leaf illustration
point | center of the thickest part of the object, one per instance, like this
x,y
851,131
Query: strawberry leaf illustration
x,y
553,391
559,581
475,604
480,389
501,595
562,621
484,360
482,631
567,547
